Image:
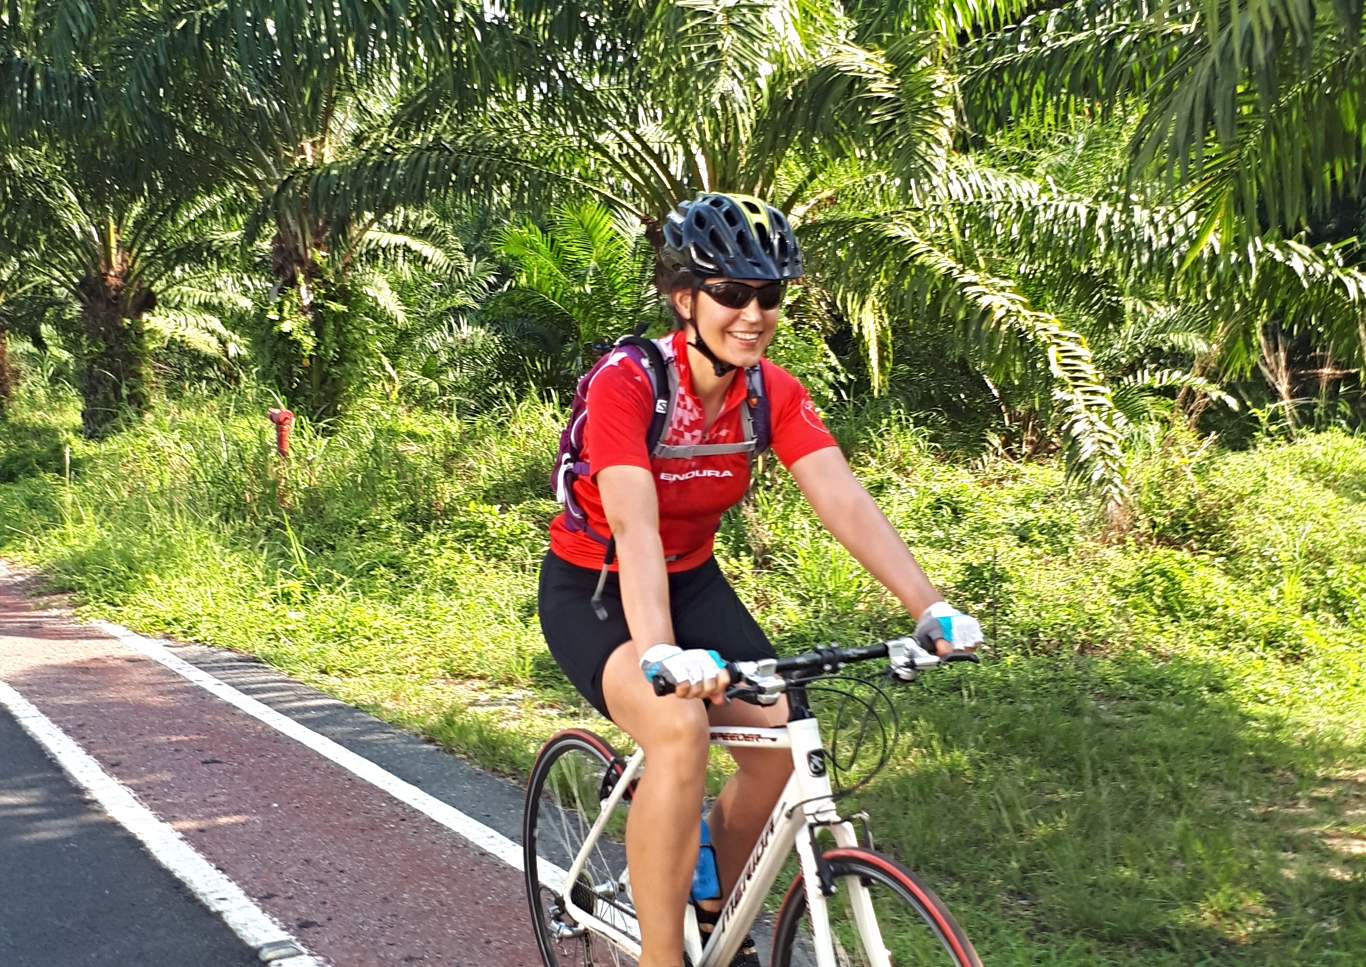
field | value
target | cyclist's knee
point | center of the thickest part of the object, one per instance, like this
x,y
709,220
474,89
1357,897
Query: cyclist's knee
x,y
678,737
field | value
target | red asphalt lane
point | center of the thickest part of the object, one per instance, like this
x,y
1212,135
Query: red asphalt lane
x,y
358,877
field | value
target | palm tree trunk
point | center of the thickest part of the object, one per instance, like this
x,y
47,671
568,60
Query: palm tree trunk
x,y
303,351
115,374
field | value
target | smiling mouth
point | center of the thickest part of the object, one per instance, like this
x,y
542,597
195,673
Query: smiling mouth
x,y
748,338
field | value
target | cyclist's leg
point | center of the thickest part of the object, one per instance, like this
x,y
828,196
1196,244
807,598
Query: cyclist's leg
x,y
713,616
744,805
662,831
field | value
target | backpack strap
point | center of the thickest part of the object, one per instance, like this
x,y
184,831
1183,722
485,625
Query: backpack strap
x,y
755,424
599,608
662,381
701,450
757,413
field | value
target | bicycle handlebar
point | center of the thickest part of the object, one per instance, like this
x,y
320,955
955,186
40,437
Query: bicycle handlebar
x,y
665,687
907,658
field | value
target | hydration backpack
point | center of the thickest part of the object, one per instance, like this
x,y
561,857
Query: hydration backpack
x,y
663,374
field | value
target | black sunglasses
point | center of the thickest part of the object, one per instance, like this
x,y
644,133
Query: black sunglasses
x,y
737,295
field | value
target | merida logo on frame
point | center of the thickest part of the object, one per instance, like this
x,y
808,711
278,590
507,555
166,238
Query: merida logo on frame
x,y
667,477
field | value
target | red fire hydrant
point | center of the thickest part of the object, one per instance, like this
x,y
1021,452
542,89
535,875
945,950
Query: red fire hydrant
x,y
283,420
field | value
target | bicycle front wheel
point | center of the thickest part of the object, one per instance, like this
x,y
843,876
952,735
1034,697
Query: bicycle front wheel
x,y
880,916
574,774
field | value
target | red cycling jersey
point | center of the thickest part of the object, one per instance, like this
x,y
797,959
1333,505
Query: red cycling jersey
x,y
693,493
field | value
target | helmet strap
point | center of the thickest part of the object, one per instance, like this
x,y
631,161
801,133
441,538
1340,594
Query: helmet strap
x,y
718,366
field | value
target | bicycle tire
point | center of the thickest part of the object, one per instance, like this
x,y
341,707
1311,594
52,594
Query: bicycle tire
x,y
917,929
573,770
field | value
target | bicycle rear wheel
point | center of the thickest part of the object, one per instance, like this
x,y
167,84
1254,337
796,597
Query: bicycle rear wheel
x,y
909,926
574,773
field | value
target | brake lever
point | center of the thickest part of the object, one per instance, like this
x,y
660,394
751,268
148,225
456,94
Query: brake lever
x,y
743,693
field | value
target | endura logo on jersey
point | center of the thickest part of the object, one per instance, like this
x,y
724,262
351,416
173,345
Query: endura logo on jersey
x,y
667,477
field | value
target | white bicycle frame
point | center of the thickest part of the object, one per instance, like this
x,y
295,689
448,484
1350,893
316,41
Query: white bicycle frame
x,y
806,803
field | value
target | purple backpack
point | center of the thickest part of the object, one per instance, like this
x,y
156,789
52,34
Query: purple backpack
x,y
569,464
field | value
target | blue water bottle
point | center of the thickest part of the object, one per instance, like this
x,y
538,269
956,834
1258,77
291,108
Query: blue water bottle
x,y
706,885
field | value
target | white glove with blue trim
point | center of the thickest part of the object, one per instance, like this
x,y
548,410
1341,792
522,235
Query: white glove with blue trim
x,y
678,667
943,622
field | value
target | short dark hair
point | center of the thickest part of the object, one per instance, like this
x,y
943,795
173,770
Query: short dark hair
x,y
668,281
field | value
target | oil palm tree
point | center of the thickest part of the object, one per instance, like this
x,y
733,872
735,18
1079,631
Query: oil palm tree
x,y
119,259
576,285
99,227
254,91
1248,127
641,105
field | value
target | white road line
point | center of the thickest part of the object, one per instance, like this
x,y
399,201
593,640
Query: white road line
x,y
213,888
487,839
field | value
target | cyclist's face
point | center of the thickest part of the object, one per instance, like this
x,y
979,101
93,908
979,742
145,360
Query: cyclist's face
x,y
737,334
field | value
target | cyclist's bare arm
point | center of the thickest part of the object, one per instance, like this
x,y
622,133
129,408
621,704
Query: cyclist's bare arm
x,y
632,509
631,505
851,514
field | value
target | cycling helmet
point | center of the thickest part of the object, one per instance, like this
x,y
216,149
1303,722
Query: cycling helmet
x,y
736,236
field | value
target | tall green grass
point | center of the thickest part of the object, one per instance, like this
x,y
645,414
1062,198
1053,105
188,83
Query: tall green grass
x,y
1163,760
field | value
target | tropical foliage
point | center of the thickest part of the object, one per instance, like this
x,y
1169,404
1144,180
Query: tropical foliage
x,y
1092,213
1048,242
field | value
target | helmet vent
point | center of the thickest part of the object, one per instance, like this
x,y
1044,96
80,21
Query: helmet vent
x,y
761,234
700,258
718,243
729,215
699,220
752,207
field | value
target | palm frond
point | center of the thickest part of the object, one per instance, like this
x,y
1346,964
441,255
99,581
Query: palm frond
x,y
1069,59
201,331
397,246
382,295
993,319
1145,381
263,37
389,178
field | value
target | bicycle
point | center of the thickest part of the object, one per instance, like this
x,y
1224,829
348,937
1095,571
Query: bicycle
x,y
848,905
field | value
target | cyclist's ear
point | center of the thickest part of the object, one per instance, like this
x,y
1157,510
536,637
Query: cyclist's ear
x,y
682,302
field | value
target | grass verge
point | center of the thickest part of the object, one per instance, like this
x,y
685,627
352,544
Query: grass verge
x,y
1163,763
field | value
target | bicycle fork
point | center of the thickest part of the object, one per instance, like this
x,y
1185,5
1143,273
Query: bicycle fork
x,y
816,796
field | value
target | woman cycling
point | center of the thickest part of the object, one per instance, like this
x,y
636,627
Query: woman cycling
x,y
667,610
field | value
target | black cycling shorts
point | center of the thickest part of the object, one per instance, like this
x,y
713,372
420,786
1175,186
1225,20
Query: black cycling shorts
x,y
706,614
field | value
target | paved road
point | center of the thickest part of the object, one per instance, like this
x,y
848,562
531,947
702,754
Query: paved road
x,y
353,873
77,890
